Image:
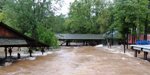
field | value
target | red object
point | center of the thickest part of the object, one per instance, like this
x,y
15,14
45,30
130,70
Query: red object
x,y
132,39
7,33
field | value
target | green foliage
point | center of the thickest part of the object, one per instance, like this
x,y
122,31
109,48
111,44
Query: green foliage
x,y
89,16
34,18
129,14
100,16
2,16
58,24
80,18
47,36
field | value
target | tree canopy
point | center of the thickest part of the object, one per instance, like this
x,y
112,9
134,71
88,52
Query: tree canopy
x,y
37,19
34,18
101,16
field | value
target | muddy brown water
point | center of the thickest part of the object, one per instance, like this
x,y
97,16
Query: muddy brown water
x,y
79,61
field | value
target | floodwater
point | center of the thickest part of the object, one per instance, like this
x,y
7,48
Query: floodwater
x,y
79,61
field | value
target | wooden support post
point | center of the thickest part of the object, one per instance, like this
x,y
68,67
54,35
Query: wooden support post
x,y
67,43
139,52
5,52
10,51
42,50
30,52
135,54
145,55
18,55
124,48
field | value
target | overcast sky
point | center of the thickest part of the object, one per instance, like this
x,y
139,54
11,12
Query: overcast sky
x,y
63,7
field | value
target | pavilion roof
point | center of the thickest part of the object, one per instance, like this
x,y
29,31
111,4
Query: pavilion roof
x,y
10,37
79,36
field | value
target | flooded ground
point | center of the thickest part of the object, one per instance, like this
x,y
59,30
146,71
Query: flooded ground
x,y
80,61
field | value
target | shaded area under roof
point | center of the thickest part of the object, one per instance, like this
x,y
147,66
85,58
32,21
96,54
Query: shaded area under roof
x,y
79,36
10,37
114,35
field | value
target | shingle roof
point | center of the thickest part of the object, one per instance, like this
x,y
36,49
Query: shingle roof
x,y
6,41
79,36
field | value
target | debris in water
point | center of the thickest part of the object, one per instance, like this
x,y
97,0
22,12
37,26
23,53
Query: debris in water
x,y
123,58
8,63
31,58
99,45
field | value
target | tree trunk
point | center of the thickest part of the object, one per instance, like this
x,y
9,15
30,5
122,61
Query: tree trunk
x,y
145,29
127,39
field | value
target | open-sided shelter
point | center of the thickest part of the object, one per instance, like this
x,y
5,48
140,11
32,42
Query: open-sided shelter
x,y
10,37
85,38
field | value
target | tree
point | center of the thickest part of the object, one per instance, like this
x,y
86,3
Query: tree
x,y
2,15
129,13
80,17
28,15
86,16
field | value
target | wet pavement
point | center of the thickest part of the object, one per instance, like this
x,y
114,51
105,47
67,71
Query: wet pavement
x,y
79,61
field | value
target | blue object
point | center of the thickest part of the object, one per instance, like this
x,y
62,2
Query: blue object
x,y
143,42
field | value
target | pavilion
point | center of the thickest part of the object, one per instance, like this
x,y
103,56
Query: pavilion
x,y
10,38
86,39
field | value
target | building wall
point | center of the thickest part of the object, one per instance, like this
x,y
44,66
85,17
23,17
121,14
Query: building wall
x,y
132,39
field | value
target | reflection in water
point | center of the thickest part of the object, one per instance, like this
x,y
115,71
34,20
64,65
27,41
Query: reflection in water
x,y
79,61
